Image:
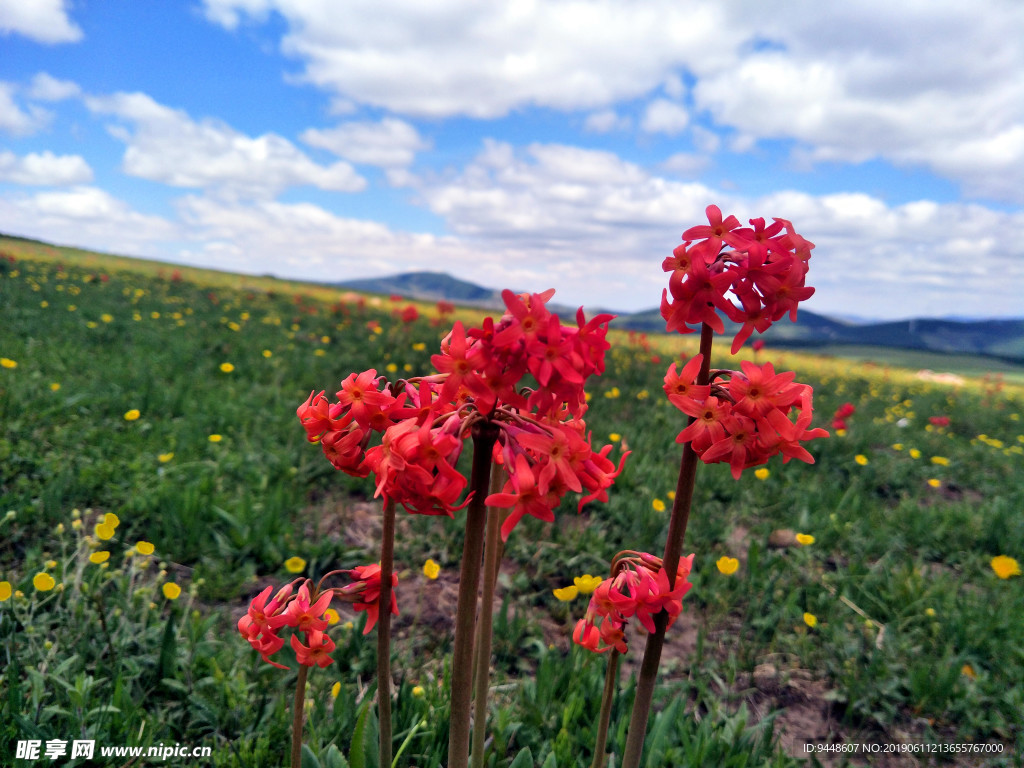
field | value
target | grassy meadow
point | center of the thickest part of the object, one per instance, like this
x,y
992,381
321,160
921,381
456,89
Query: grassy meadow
x,y
154,477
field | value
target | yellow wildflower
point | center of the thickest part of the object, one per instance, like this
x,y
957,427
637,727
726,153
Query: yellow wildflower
x,y
132,415
810,620
566,594
762,473
226,367
163,458
215,438
934,482
295,565
144,548
99,557
111,519
43,581
5,591
968,671
942,461
335,690
103,531
659,505
171,590
431,569
861,459
804,539
727,565
1005,566
332,616
417,691
6,362
586,583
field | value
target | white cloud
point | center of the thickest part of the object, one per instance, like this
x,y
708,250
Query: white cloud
x,y
388,143
606,121
44,169
15,120
597,228
664,116
925,84
45,87
686,163
86,217
486,59
45,21
168,146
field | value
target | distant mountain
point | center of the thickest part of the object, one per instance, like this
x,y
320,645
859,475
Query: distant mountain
x,y
426,286
995,338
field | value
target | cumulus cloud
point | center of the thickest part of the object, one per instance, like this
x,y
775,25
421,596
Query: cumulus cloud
x,y
605,121
168,146
922,84
598,227
388,143
46,87
44,169
664,116
86,217
18,121
486,59
45,21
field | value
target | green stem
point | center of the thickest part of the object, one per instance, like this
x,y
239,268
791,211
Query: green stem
x,y
300,699
670,563
485,434
387,552
611,676
482,661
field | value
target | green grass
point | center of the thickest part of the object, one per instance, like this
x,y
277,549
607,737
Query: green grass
x,y
108,655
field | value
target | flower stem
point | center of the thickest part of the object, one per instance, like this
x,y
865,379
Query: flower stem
x,y
482,662
387,551
300,699
484,435
611,677
670,563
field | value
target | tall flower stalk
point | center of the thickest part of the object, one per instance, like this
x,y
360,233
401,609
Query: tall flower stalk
x,y
754,276
387,556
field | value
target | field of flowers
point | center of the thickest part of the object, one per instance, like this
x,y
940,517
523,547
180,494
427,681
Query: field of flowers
x,y
154,478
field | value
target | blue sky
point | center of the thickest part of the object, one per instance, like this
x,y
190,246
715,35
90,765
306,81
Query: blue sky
x,y
561,144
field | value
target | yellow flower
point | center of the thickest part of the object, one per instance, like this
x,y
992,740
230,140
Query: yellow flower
x,y
332,616
915,454
419,346
810,620
6,362
163,458
171,590
132,415
586,583
615,437
897,446
727,565
1005,566
43,581
942,461
335,690
111,519
103,531
215,438
144,548
840,432
968,671
612,393
391,368
99,557
5,591
55,386
50,563
295,564
267,353
106,318
566,594
659,505
226,367
347,626
929,612
804,539
431,569
935,482
417,691
861,459
762,473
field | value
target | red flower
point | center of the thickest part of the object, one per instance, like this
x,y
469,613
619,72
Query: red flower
x,y
317,651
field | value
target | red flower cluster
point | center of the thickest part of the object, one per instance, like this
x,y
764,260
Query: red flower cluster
x,y
306,612
843,412
638,587
542,438
939,421
763,267
746,420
